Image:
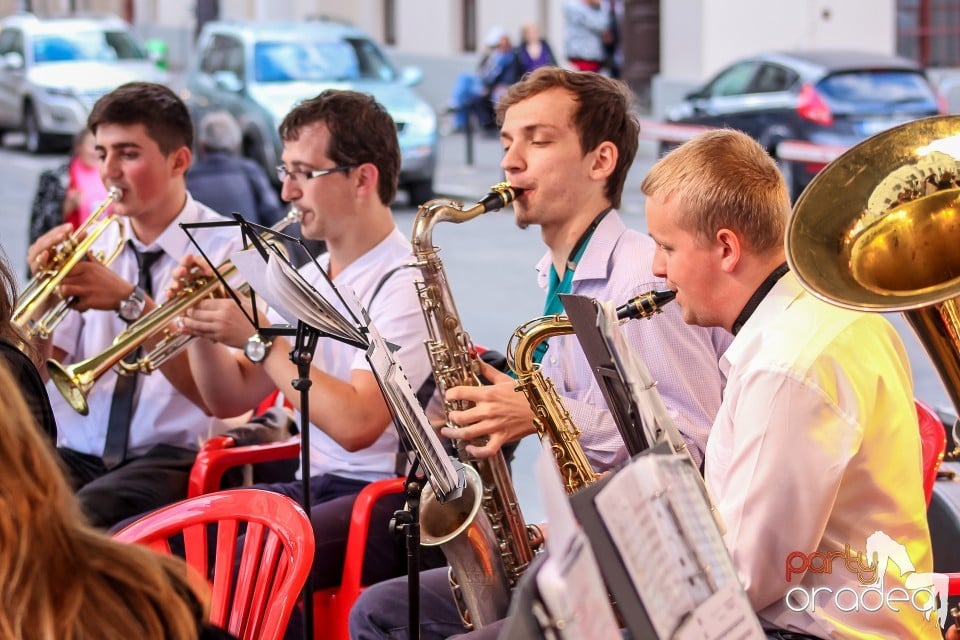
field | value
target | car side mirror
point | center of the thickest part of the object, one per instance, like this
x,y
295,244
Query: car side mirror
x,y
13,60
695,95
411,76
228,81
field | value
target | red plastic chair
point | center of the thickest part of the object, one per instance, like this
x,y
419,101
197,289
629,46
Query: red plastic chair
x,y
331,605
277,554
933,445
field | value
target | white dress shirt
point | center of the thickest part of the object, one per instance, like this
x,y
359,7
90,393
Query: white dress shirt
x,y
395,312
816,447
618,265
162,415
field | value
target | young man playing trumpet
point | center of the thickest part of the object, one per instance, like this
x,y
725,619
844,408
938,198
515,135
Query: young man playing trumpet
x,y
134,450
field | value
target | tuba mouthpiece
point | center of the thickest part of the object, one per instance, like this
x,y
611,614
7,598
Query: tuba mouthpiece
x,y
645,305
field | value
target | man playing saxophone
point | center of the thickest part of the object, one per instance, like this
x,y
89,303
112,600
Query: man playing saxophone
x,y
341,161
569,139
815,453
134,450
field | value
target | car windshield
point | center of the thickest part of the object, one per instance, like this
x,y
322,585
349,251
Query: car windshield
x,y
86,45
877,86
351,59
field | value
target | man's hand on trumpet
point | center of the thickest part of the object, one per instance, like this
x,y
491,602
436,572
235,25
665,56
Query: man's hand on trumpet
x,y
92,285
215,318
42,250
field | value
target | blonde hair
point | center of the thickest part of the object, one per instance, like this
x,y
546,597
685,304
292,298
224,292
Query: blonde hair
x,y
724,179
60,579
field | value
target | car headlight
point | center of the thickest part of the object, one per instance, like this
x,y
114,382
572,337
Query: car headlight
x,y
422,122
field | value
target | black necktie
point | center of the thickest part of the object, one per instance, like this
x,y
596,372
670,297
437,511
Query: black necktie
x,y
121,409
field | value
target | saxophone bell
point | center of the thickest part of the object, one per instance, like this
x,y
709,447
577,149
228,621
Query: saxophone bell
x,y
645,305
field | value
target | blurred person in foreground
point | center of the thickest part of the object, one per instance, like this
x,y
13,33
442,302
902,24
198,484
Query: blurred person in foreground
x,y
816,448
20,356
134,450
60,579
569,139
223,179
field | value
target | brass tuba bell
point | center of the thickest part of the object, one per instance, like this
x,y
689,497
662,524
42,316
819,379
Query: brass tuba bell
x,y
878,230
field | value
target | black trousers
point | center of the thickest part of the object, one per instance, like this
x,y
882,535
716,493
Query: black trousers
x,y
141,484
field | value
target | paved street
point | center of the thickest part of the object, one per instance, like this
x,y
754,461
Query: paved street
x,y
488,260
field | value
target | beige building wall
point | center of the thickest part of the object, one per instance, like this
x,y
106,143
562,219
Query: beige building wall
x,y
699,37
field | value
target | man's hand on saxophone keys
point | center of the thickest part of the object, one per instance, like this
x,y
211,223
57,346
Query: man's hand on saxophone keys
x,y
499,413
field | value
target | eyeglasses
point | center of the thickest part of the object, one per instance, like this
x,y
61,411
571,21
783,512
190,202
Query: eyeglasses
x,y
303,175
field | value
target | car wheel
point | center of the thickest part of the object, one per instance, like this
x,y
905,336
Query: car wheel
x,y
35,141
420,191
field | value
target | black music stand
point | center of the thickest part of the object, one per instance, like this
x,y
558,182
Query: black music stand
x,y
445,474
583,314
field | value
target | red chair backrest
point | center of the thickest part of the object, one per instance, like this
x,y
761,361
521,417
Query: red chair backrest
x,y
933,444
276,558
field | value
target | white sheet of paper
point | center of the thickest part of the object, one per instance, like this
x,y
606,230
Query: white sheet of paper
x,y
572,589
661,524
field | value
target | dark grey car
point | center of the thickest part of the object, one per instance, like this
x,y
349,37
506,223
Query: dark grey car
x,y
835,98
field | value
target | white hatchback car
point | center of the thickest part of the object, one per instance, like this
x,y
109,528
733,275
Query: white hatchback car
x,y
53,70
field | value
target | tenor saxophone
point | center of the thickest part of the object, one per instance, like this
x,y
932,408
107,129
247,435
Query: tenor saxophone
x,y
551,416
487,548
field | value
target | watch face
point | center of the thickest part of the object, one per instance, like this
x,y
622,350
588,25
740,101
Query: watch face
x,y
256,349
130,309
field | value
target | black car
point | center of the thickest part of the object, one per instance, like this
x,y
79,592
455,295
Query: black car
x,y
835,98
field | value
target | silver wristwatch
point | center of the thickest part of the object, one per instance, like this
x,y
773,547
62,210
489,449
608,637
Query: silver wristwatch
x,y
256,348
131,307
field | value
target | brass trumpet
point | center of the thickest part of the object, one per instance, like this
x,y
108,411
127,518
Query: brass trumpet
x,y
66,255
75,381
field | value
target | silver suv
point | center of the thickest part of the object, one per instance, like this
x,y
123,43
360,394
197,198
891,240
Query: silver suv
x,y
53,70
259,71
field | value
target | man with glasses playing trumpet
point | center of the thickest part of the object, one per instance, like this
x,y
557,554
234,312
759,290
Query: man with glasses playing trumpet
x,y
133,450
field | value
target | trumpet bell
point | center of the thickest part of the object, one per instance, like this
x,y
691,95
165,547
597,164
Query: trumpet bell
x,y
68,385
877,229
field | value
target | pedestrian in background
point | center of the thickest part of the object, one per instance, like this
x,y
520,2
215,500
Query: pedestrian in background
x,y
70,192
224,180
587,32
533,51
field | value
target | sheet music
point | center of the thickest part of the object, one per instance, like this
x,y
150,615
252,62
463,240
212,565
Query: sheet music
x,y
286,291
445,474
658,517
655,415
569,579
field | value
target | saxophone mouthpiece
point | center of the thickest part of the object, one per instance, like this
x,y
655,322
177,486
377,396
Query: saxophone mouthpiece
x,y
645,305
500,196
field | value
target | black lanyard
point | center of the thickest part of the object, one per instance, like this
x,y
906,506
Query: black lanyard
x,y
758,296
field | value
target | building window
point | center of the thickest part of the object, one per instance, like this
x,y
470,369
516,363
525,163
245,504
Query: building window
x,y
390,21
468,23
928,31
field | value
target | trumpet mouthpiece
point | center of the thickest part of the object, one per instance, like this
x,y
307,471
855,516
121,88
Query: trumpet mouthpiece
x,y
645,305
115,194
